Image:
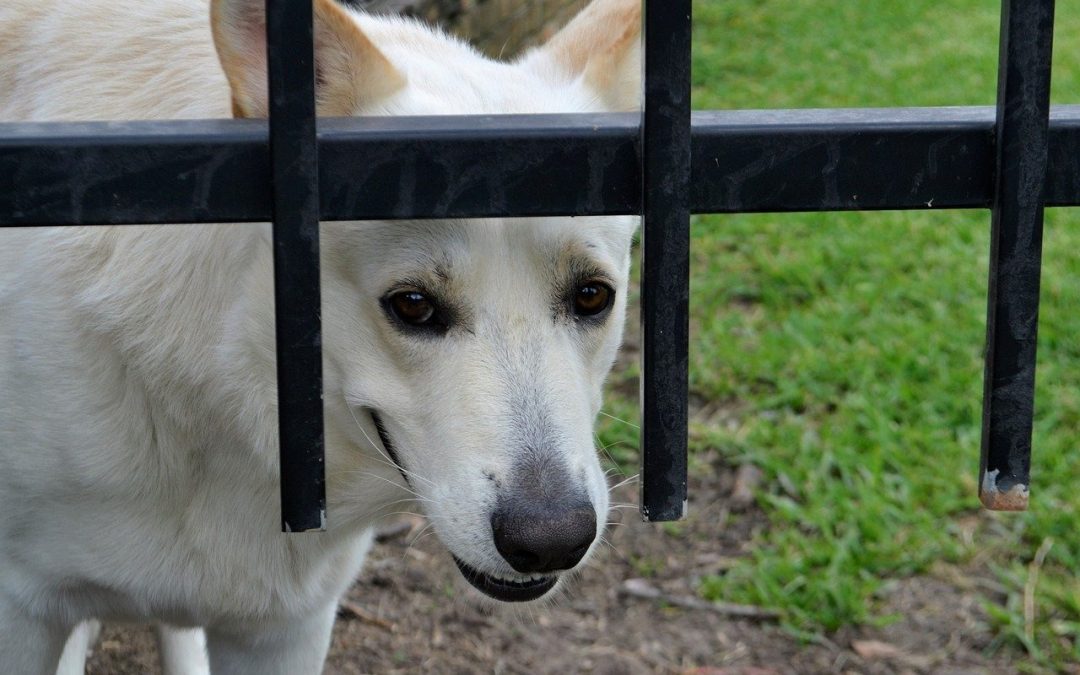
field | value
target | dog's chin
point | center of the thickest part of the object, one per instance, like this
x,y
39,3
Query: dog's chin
x,y
507,590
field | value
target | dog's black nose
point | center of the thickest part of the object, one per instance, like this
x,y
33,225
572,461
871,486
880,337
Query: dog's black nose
x,y
539,537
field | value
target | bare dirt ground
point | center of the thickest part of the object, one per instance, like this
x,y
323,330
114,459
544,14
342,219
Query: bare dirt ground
x,y
410,612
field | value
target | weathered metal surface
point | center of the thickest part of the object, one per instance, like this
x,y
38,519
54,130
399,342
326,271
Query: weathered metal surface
x,y
1022,137
665,259
997,498
786,160
295,194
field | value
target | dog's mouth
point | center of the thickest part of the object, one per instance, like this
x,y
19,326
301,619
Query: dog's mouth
x,y
499,588
388,446
506,590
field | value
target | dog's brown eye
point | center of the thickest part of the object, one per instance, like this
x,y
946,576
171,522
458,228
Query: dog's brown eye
x,y
412,307
592,298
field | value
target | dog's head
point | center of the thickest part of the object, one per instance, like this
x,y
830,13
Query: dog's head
x,y
465,359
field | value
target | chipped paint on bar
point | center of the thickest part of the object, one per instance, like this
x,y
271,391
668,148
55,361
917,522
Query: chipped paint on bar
x,y
1015,498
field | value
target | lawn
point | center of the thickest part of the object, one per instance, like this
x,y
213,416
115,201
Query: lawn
x,y
846,349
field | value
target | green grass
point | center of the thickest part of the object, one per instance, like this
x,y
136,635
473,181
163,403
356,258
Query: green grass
x,y
850,345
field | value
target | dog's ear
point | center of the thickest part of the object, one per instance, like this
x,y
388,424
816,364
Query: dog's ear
x,y
349,69
602,44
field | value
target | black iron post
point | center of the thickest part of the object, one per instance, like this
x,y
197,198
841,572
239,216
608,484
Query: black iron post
x,y
1023,109
665,267
294,165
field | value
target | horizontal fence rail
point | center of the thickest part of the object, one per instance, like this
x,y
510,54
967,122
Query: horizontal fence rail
x,y
439,167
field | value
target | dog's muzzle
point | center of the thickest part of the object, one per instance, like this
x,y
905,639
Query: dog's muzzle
x,y
538,539
539,535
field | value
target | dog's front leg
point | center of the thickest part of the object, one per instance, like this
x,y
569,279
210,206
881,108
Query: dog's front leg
x,y
297,647
79,643
182,650
28,645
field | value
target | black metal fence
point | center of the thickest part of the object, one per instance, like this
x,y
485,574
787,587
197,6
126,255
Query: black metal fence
x,y
663,164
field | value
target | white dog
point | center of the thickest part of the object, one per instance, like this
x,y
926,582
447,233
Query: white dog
x,y
464,359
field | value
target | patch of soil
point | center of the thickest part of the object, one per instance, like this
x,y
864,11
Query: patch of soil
x,y
411,612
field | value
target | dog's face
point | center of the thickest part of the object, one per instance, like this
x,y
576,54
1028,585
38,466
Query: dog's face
x,y
471,360
465,359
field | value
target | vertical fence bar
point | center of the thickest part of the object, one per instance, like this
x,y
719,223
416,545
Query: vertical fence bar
x,y
665,268
1023,109
294,159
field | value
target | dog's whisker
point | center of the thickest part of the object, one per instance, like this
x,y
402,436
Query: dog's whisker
x,y
399,501
430,531
382,451
416,495
604,445
426,531
384,457
373,474
405,513
429,525
378,446
381,462
607,542
368,472
627,481
619,419
607,445
604,451
412,542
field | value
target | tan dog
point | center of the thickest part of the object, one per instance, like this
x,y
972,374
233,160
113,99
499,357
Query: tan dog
x,y
463,359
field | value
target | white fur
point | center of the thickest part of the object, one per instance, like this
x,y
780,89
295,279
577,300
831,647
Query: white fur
x,y
138,432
